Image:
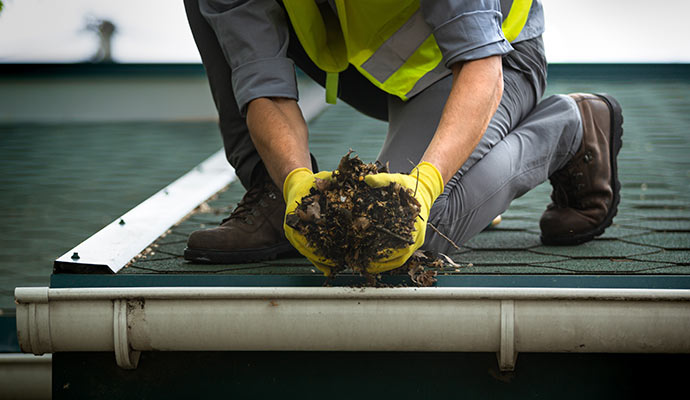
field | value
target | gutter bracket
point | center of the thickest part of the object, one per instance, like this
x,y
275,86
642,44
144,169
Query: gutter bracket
x,y
507,355
125,357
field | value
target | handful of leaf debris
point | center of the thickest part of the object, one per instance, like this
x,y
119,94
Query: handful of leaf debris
x,y
352,224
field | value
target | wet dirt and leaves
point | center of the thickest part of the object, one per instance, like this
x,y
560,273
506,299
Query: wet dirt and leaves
x,y
353,224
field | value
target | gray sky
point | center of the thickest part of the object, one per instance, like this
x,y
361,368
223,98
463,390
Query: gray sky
x,y
157,31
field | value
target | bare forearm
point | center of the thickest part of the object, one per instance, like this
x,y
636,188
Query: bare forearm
x,y
474,98
280,135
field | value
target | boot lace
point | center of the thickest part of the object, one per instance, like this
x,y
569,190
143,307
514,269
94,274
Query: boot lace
x,y
251,201
567,185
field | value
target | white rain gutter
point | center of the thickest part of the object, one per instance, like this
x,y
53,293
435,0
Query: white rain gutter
x,y
503,320
25,376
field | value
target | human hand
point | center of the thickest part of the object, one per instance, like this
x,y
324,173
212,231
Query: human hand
x,y
297,185
426,190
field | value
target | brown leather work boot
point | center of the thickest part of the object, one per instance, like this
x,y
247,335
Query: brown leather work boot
x,y
253,232
586,191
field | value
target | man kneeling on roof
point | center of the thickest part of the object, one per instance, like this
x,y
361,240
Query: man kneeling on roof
x,y
459,83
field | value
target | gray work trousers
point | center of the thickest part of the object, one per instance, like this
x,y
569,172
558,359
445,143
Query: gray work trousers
x,y
525,143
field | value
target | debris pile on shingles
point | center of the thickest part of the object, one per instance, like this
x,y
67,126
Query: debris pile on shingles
x,y
354,224
417,268
423,267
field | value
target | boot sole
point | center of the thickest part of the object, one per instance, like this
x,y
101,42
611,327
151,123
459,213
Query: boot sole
x,y
616,144
210,256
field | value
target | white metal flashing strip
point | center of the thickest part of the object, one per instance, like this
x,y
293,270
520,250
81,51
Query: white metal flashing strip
x,y
111,248
501,320
116,244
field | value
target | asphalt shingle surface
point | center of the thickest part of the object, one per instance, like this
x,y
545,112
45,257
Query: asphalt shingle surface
x,y
650,235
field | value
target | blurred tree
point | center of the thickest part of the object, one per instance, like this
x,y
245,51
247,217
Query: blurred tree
x,y
105,31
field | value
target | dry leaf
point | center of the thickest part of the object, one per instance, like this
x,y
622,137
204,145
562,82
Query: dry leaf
x,y
313,212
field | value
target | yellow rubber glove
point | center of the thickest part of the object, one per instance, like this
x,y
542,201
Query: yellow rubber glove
x,y
297,185
429,188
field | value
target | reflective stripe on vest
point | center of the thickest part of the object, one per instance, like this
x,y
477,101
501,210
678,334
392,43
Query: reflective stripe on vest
x,y
516,19
395,51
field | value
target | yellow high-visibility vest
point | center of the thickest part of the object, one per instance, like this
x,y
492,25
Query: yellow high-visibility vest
x,y
388,41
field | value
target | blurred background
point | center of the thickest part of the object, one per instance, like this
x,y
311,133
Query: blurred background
x,y
127,108
156,31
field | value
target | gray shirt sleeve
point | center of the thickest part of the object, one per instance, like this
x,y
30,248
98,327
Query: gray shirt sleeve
x,y
254,37
466,29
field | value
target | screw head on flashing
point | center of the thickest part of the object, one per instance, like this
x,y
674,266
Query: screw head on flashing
x,y
75,256
122,221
